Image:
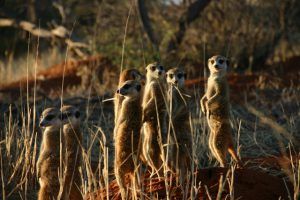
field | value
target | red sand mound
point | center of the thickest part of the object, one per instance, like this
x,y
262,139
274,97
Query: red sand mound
x,y
248,184
73,72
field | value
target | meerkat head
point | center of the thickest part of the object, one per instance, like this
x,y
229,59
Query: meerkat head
x,y
218,65
51,118
155,71
130,89
176,77
70,115
131,74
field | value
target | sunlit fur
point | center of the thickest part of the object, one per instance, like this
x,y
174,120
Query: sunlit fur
x,y
154,116
215,104
48,162
127,133
127,74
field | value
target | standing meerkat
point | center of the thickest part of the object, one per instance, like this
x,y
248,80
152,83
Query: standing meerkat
x,y
215,104
127,74
48,163
127,133
179,127
73,141
154,116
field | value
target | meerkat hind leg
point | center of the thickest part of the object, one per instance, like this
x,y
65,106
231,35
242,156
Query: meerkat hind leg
x,y
45,194
233,154
220,150
120,178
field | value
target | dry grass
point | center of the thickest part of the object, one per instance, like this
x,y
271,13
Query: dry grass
x,y
268,126
276,132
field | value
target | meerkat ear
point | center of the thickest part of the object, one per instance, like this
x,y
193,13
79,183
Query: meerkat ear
x,y
138,88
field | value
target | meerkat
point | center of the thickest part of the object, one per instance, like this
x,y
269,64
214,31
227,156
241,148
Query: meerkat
x,y
127,74
73,140
127,133
179,127
215,104
48,163
154,116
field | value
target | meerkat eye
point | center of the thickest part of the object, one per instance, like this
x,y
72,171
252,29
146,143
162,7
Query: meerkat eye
x,y
49,117
77,114
212,62
153,68
171,75
138,87
221,61
126,86
180,75
64,116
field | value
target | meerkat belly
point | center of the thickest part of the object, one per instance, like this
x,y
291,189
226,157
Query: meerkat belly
x,y
127,138
49,170
219,110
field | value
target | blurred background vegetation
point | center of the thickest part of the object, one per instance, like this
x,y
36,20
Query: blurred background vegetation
x,y
251,33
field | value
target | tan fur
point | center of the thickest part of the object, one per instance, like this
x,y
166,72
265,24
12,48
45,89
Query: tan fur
x,y
127,74
154,116
127,133
48,162
179,127
215,104
73,141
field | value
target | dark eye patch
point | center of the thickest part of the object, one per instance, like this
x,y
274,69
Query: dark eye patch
x,y
171,75
138,87
180,75
153,68
221,61
126,86
64,116
161,67
49,117
212,61
77,114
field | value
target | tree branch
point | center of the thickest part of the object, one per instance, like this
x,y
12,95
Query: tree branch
x,y
192,13
143,12
58,32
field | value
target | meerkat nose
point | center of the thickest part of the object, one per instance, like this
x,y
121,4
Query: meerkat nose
x,y
159,73
176,81
118,91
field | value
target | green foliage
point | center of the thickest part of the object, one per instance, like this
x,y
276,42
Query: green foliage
x,y
249,32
